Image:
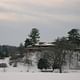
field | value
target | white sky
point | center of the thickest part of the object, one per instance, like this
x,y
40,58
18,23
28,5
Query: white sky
x,y
52,17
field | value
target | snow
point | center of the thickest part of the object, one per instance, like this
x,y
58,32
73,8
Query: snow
x,y
20,73
20,67
31,69
44,44
39,76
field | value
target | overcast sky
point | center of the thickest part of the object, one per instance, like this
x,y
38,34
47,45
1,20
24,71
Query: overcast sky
x,y
53,18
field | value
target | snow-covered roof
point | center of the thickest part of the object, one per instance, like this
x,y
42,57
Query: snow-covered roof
x,y
44,43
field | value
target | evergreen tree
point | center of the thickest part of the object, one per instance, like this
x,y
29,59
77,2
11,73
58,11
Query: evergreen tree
x,y
43,64
34,36
27,42
74,36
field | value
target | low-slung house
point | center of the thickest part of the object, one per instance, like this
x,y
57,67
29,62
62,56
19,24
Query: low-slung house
x,y
34,53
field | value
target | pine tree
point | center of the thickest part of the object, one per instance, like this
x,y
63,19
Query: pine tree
x,y
34,36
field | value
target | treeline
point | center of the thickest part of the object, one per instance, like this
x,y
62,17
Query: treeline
x,y
6,51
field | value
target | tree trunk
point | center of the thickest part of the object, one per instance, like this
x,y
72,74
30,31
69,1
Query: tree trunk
x,y
77,60
60,70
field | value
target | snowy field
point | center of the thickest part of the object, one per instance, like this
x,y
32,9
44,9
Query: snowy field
x,y
39,76
20,73
25,69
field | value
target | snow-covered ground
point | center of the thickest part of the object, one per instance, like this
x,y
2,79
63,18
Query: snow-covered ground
x,y
20,73
39,76
30,69
20,67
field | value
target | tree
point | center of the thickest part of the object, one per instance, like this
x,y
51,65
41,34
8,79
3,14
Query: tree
x,y
60,52
34,36
4,51
48,53
1,55
27,42
43,64
74,36
74,40
21,50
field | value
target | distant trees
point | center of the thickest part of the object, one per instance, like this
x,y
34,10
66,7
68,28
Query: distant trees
x,y
4,51
21,50
2,55
33,37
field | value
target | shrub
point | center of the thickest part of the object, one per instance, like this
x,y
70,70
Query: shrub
x,y
43,64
